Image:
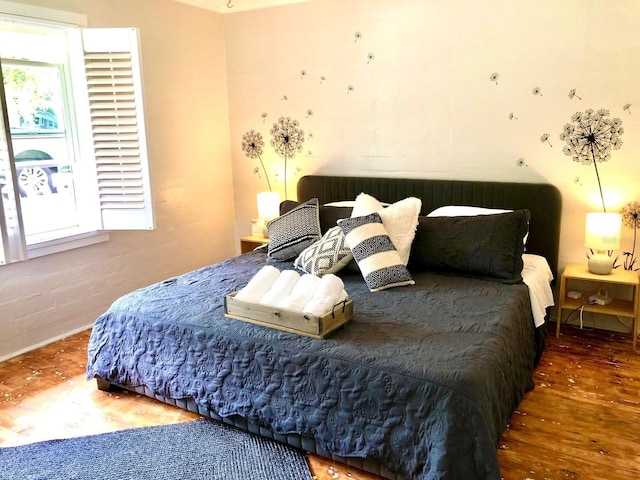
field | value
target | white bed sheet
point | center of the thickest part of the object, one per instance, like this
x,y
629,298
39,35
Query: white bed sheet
x,y
537,275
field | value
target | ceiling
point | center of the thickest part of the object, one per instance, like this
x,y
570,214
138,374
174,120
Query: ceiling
x,y
230,6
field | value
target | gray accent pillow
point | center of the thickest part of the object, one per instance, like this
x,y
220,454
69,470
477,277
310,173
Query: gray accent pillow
x,y
294,231
484,246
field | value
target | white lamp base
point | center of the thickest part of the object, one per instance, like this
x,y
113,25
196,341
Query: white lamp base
x,y
600,264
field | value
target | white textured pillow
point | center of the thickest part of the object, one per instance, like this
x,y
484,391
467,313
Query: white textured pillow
x,y
328,255
400,220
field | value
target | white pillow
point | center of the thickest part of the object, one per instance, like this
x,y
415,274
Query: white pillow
x,y
464,211
400,220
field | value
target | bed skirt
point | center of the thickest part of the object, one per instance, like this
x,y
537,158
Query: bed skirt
x,y
296,441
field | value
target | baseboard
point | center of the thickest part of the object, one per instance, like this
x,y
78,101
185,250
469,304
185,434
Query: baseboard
x,y
45,342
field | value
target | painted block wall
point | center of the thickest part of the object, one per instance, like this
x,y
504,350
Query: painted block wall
x,y
182,51
407,88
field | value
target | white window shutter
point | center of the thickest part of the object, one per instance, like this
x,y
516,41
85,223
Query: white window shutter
x,y
13,246
114,87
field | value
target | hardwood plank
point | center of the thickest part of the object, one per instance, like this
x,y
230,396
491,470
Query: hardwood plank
x,y
581,421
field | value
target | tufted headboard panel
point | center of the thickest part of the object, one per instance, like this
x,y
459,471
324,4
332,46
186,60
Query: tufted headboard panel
x,y
542,200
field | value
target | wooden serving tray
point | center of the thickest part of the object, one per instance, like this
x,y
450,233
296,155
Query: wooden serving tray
x,y
288,320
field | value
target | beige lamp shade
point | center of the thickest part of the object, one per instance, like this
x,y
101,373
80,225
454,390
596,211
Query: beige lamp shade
x,y
602,233
268,205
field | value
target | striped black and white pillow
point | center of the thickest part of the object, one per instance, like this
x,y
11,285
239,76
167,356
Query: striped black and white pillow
x,y
294,231
378,259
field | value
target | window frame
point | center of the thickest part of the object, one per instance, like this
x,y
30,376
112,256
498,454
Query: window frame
x,y
78,102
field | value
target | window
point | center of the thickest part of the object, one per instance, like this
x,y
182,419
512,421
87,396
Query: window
x,y
73,160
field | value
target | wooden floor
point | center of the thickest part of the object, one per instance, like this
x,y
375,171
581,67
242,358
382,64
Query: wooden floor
x,y
582,420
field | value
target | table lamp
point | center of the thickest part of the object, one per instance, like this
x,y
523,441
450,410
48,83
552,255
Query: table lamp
x,y
268,209
602,233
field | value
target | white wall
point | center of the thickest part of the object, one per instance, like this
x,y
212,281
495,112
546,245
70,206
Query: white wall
x,y
425,107
184,67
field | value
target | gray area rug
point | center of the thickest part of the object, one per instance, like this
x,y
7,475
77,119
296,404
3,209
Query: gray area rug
x,y
194,450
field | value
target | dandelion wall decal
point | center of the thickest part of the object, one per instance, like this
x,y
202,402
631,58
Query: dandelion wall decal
x,y
303,73
370,57
350,89
545,138
572,93
631,218
252,145
521,163
358,36
627,108
512,116
264,116
590,137
537,91
309,113
494,77
286,139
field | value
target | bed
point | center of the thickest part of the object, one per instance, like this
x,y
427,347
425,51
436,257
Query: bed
x,y
421,383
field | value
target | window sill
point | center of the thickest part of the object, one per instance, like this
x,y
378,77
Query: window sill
x,y
70,242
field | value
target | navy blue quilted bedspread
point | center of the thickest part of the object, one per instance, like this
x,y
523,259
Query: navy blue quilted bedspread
x,y
423,379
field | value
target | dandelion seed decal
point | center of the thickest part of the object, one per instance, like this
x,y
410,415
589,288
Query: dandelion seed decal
x,y
627,108
310,135
286,139
494,77
322,78
303,73
350,89
252,145
264,116
521,163
309,113
358,36
631,218
512,116
577,181
590,137
545,138
370,57
572,93
537,91
285,98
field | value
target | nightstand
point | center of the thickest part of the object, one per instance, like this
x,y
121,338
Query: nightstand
x,y
619,307
249,243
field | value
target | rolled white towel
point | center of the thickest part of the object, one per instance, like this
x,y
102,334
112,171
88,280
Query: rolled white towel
x,y
281,288
327,294
320,306
259,284
301,293
330,286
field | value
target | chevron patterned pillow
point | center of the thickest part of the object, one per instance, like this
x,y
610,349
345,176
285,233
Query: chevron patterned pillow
x,y
328,255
